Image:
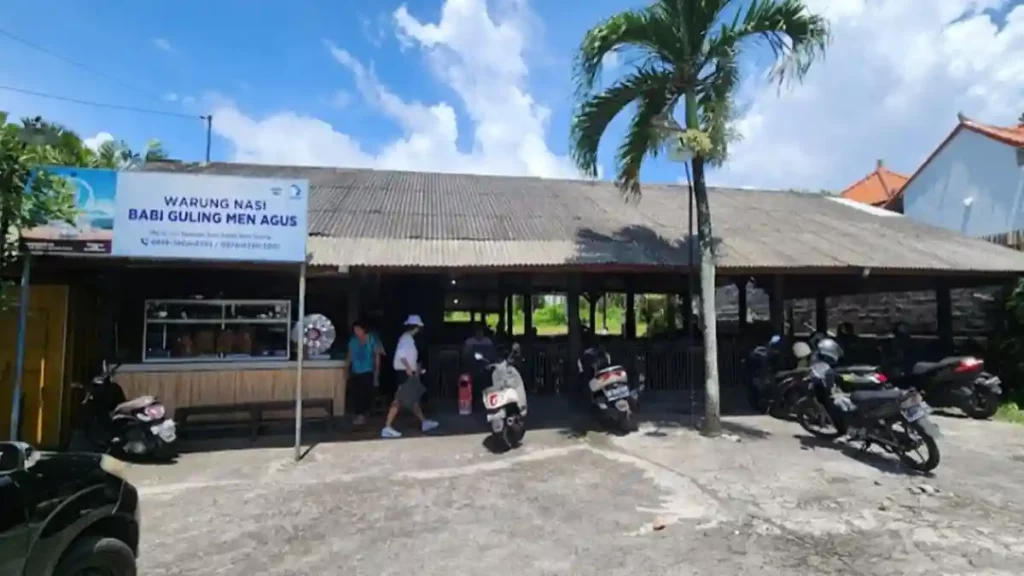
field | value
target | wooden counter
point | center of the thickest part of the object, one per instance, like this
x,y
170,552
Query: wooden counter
x,y
202,383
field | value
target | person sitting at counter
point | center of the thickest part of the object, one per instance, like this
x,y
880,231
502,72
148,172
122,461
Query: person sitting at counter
x,y
410,387
363,369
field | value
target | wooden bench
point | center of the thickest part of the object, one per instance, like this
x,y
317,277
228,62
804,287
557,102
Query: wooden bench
x,y
255,411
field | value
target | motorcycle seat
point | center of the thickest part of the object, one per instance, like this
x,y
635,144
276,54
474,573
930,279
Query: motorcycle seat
x,y
857,369
865,397
134,404
925,367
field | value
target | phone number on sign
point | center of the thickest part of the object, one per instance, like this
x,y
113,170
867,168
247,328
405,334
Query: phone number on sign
x,y
233,245
225,244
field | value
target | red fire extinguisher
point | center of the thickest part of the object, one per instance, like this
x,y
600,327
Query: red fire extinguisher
x,y
465,395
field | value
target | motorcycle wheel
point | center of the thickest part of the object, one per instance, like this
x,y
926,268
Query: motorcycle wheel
x,y
924,463
759,402
512,435
983,404
626,422
813,418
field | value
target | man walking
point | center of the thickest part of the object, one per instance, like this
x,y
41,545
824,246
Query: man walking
x,y
410,388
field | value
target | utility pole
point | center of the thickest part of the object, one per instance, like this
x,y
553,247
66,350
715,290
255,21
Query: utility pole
x,y
209,134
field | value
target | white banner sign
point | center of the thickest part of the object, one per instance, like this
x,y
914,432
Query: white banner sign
x,y
205,217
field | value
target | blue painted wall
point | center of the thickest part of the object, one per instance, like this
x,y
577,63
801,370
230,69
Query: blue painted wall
x,y
970,166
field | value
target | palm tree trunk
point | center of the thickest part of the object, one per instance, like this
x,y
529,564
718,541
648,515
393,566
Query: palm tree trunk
x,y
712,414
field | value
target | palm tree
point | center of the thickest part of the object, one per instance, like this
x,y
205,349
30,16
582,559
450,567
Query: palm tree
x,y
686,54
117,154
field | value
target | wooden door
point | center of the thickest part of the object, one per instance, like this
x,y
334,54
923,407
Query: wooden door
x,y
43,380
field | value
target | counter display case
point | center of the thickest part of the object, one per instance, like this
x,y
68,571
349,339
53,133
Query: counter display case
x,y
199,330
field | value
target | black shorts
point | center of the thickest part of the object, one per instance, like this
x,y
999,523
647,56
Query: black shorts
x,y
360,393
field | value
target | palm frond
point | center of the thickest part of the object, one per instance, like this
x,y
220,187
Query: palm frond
x,y
795,35
643,138
646,30
715,103
595,113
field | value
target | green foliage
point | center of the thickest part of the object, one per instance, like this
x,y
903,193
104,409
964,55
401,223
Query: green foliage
x,y
1005,354
1010,412
30,199
686,52
550,315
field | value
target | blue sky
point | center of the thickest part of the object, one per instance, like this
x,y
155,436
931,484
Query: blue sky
x,y
319,81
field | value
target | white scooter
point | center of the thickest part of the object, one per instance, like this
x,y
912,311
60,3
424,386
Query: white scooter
x,y
505,400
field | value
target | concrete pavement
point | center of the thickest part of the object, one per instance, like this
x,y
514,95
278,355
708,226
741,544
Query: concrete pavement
x,y
662,501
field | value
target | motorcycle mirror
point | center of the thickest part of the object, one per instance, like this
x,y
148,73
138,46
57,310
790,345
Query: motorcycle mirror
x,y
775,339
478,356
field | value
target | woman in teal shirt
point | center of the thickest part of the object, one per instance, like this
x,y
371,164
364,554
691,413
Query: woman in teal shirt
x,y
364,353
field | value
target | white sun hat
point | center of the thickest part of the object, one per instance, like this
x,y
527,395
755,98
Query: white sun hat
x,y
414,320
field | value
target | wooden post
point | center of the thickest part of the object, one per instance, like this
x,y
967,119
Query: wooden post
x,y
528,315
670,314
688,314
353,303
944,317
630,312
510,314
777,305
575,332
821,312
592,300
741,286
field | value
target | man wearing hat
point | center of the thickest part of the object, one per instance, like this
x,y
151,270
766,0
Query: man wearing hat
x,y
410,388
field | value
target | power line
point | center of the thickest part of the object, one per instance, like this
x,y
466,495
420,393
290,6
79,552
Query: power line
x,y
78,65
101,104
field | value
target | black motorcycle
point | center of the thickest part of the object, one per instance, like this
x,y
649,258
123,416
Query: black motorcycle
x,y
954,382
112,424
895,419
613,396
777,381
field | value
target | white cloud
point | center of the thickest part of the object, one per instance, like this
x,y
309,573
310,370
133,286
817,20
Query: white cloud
x,y
341,99
477,55
171,97
163,44
890,87
93,143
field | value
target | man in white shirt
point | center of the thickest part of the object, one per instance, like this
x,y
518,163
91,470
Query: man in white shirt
x,y
410,388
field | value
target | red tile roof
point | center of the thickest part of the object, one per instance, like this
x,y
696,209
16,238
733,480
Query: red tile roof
x,y
1013,136
876,188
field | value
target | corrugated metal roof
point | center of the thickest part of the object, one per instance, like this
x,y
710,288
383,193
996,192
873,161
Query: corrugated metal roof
x,y
390,218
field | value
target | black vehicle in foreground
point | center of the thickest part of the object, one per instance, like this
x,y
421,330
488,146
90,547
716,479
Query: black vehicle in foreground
x,y
65,514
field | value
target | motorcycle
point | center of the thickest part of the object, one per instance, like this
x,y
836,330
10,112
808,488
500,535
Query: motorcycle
x,y
113,424
504,399
955,381
893,418
777,391
611,394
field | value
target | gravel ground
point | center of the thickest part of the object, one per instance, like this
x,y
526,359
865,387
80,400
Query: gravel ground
x,y
761,500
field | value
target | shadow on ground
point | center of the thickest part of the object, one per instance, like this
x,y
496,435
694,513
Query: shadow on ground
x,y
881,461
571,421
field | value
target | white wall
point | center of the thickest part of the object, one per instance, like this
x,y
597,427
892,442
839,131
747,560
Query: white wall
x,y
970,166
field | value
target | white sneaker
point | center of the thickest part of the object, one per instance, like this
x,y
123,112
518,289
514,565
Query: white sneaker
x,y
390,432
428,425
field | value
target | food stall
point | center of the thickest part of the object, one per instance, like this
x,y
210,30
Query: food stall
x,y
200,345
198,352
